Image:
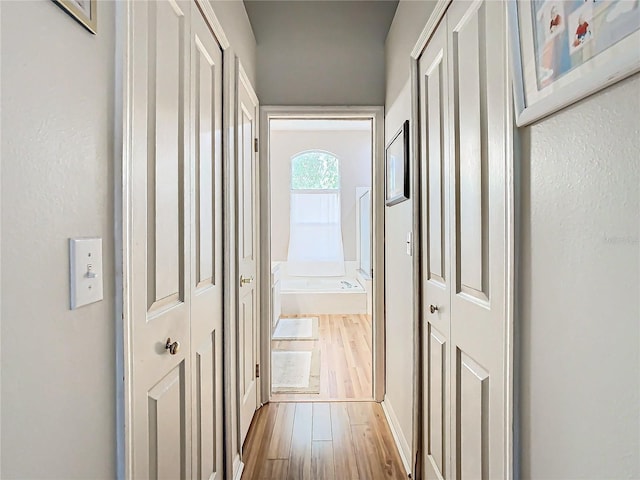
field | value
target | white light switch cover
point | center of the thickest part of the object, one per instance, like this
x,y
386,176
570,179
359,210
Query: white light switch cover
x,y
85,259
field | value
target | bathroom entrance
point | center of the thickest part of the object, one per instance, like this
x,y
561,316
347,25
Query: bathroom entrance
x,y
321,255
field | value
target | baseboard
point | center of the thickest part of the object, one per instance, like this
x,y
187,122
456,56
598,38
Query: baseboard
x,y
238,468
398,436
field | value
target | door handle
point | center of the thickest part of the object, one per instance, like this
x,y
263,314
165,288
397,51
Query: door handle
x,y
245,280
173,347
433,308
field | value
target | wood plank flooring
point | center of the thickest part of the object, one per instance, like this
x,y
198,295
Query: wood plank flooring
x,y
318,441
345,358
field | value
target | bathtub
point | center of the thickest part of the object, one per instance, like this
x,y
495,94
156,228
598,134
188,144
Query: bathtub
x,y
322,295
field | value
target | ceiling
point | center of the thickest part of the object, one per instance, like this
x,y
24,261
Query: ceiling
x,y
316,124
370,19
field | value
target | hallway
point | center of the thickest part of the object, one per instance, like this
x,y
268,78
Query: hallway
x,y
303,441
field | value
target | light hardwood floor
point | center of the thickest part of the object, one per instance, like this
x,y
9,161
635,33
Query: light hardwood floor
x,y
318,441
345,358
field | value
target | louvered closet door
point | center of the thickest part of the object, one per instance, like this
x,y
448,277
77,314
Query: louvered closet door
x,y
206,249
436,286
478,76
160,257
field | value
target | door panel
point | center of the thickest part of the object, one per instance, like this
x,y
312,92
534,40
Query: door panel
x,y
435,258
478,224
160,269
167,406
206,247
248,348
437,396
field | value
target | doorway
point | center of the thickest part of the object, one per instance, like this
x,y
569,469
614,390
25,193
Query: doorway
x,y
321,206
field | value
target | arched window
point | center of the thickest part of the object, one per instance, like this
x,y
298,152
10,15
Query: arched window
x,y
315,229
315,170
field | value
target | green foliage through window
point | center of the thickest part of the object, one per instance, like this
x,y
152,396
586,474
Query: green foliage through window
x,y
315,171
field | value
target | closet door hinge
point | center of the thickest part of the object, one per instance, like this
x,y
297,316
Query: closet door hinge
x,y
255,145
257,370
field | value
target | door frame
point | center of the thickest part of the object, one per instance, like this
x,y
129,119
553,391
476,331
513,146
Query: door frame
x,y
429,29
376,115
123,162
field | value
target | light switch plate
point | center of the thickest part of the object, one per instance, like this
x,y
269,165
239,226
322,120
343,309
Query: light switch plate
x,y
85,262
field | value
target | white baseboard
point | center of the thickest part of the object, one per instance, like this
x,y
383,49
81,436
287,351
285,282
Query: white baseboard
x,y
238,468
398,436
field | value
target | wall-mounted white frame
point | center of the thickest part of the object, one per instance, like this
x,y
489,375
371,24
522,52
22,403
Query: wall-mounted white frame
x,y
614,63
376,116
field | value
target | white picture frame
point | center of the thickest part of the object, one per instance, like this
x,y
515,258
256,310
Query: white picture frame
x,y
586,59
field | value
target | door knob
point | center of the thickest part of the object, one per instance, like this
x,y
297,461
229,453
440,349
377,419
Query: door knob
x,y
172,347
244,280
433,308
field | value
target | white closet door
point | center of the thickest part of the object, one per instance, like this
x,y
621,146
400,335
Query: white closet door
x,y
206,250
436,286
464,100
248,315
478,79
160,399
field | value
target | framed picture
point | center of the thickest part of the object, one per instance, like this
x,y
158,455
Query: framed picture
x,y
85,12
397,167
565,50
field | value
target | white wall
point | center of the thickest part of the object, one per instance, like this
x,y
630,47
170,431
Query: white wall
x,y
579,315
320,53
352,148
410,19
58,365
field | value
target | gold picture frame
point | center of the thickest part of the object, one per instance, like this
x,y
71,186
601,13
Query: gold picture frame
x,y
85,12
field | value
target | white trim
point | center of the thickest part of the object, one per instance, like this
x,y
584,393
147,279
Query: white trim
x,y
214,24
398,436
238,468
123,246
430,27
510,263
416,435
376,115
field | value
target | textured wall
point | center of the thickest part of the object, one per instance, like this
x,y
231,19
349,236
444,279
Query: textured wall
x,y
58,365
579,316
410,18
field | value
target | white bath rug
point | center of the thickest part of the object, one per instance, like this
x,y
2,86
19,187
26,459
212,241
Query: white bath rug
x,y
296,329
295,371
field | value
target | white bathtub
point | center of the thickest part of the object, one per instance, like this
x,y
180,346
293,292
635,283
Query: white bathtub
x,y
329,295
337,285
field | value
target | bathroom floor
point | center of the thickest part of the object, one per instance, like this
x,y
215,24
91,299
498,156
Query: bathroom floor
x,y
344,341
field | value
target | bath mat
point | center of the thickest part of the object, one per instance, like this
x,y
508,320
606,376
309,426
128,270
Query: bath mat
x,y
295,371
296,329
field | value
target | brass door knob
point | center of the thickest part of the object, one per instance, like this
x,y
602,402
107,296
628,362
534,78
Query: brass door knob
x,y
173,347
433,308
245,280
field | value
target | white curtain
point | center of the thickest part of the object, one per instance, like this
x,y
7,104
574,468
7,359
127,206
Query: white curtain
x,y
315,238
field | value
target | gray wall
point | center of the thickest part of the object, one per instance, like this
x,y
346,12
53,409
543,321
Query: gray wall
x,y
58,365
235,22
320,53
579,283
411,17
